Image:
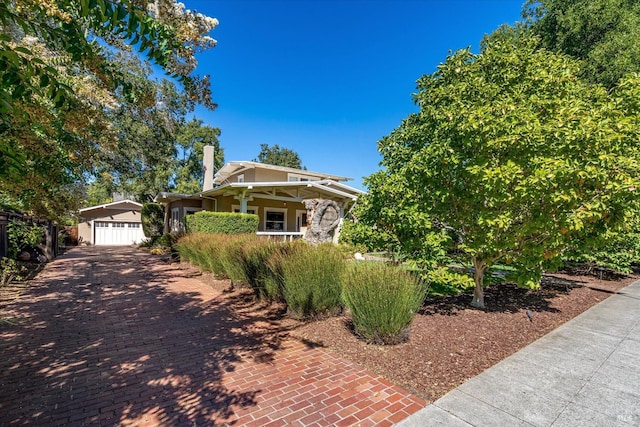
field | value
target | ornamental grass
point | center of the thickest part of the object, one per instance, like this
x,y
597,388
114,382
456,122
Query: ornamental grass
x,y
383,300
311,279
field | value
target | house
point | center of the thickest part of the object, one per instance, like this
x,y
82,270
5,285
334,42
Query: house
x,y
115,223
276,194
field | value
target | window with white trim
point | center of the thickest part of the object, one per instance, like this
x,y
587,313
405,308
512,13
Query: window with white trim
x,y
241,177
175,222
275,219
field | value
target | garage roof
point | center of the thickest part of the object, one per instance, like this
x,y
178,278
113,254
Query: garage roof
x,y
120,205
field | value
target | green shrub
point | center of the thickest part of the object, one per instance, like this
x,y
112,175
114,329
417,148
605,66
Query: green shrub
x,y
443,281
222,222
22,235
348,250
152,217
311,278
383,300
200,249
10,270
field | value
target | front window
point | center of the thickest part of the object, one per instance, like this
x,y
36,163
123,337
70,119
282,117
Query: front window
x,y
274,221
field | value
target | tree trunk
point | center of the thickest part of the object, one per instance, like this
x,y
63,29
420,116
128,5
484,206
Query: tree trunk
x,y
478,278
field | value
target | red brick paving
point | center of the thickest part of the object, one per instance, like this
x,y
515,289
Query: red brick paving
x,y
113,336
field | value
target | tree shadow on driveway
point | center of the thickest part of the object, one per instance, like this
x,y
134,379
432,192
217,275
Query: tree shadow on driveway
x,y
109,336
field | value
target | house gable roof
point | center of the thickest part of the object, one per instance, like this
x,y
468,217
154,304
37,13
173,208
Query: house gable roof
x,y
121,204
232,168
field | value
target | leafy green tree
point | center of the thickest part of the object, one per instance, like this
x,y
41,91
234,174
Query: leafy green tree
x,y
154,148
279,156
59,82
604,34
389,217
168,34
191,138
617,250
517,155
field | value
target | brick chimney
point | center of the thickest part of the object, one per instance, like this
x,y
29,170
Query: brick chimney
x,y
207,167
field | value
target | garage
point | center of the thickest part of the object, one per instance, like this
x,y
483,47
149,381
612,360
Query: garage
x,y
117,233
114,224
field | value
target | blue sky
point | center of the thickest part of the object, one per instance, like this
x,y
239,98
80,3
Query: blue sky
x,y
329,78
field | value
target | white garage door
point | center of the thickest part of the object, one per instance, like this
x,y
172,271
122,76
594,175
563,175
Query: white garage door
x,y
118,233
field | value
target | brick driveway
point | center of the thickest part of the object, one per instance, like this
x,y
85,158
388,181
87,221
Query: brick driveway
x,y
109,336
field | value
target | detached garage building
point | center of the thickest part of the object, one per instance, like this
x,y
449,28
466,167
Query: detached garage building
x,y
116,223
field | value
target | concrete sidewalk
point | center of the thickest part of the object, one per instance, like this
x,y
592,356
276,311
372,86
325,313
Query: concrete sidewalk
x,y
585,373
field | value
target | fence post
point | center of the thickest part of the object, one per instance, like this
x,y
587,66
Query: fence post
x,y
4,244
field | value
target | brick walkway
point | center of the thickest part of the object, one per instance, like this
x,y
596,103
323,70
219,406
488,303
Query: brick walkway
x,y
110,336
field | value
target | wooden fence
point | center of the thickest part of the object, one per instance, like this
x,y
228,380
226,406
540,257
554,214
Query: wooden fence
x,y
50,244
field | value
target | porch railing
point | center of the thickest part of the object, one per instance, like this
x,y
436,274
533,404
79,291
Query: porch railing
x,y
281,235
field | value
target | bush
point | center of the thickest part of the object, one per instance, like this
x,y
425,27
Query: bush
x,y
202,250
222,222
22,236
10,270
152,217
443,281
383,300
209,253
311,278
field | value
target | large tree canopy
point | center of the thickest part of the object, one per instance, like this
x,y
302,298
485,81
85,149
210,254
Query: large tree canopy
x,y
60,83
517,154
604,34
152,147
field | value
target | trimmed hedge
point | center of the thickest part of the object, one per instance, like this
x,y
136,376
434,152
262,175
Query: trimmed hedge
x,y
222,222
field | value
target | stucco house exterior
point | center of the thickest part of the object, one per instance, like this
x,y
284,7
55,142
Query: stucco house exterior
x,y
115,223
275,193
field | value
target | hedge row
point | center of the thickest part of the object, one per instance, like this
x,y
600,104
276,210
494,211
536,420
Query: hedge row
x,y
313,281
222,222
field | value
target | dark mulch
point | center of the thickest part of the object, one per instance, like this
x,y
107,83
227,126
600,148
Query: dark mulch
x,y
451,342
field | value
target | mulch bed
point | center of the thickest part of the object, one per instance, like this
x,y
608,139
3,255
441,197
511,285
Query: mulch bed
x,y
451,342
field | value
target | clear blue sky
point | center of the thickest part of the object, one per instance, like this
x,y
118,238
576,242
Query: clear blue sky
x,y
329,78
